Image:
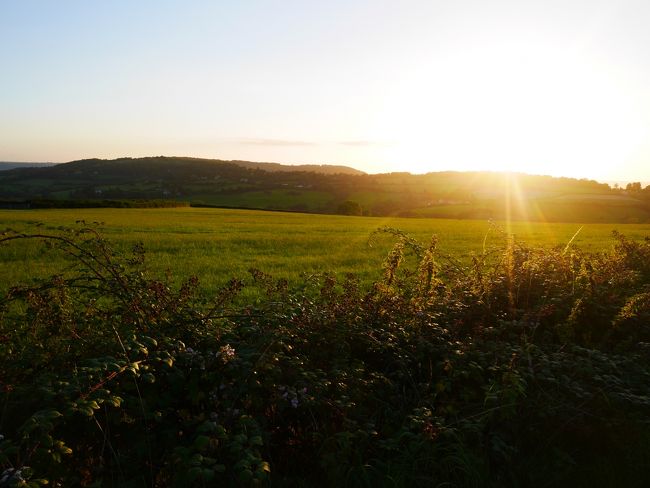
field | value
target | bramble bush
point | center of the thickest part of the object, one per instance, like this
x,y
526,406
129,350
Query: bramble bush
x,y
522,367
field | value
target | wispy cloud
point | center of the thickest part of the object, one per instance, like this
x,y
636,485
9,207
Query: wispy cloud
x,y
360,143
274,142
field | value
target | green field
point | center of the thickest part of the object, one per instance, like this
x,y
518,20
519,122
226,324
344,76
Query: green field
x,y
217,244
271,199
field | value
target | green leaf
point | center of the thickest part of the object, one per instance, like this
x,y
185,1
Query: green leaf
x,y
49,414
201,442
148,378
115,401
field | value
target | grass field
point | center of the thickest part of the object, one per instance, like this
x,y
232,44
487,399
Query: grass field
x,y
275,199
217,244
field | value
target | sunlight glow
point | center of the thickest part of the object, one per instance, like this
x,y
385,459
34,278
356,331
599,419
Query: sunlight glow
x,y
544,113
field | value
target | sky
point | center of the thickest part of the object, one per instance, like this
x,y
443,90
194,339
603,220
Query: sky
x,y
542,87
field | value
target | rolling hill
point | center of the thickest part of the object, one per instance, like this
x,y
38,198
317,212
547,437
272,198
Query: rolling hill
x,y
327,189
6,165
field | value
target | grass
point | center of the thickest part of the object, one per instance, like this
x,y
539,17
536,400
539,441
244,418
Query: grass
x,y
217,244
573,208
280,199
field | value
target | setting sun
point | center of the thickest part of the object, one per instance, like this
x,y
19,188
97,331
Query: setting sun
x,y
512,110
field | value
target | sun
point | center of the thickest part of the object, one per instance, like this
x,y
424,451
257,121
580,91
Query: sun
x,y
534,112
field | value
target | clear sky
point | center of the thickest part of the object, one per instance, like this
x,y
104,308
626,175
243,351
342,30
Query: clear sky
x,y
557,87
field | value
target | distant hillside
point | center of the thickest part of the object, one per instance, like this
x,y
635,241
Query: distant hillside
x,y
5,165
326,169
330,189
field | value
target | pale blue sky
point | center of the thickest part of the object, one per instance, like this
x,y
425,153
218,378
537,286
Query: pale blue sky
x,y
554,87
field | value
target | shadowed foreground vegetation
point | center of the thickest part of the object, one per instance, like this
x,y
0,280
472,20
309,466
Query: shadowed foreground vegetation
x,y
524,367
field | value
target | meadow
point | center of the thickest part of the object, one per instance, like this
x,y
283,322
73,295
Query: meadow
x,y
218,244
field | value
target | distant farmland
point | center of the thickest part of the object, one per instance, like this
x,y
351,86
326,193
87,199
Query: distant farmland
x,y
326,190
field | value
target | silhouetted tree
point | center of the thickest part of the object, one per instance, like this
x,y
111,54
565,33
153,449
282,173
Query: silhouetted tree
x,y
633,187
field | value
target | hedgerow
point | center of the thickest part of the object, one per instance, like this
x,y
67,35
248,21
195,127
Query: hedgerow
x,y
525,367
